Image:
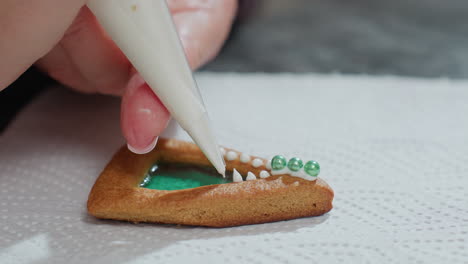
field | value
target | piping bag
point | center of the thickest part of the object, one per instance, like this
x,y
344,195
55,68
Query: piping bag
x,y
146,34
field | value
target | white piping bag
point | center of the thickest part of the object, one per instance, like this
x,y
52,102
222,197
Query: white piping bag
x,y
146,34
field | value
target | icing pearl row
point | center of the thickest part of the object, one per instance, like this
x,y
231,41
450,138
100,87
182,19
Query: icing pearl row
x,y
244,158
237,177
277,165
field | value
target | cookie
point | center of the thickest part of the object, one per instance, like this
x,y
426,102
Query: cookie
x,y
175,184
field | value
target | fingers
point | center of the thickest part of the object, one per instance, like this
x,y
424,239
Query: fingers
x,y
28,30
87,59
143,116
203,26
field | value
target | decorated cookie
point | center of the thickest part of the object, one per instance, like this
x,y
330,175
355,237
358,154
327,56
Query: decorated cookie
x,y
175,184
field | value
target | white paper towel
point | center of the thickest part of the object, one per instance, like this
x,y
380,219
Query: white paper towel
x,y
394,150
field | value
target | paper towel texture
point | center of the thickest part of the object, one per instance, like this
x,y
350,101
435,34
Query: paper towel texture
x,y
394,150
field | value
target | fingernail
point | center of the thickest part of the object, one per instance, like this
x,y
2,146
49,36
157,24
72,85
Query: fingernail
x,y
149,148
136,81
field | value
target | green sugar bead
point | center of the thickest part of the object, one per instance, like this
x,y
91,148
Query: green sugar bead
x,y
278,162
295,164
312,168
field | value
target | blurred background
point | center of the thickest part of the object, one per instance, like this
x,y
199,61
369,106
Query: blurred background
x,y
421,38
418,38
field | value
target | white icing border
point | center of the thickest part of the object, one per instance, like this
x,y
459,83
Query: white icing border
x,y
250,176
256,163
236,177
231,155
244,158
264,174
300,174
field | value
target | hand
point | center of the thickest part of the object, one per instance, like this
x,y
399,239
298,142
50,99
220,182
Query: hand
x,y
64,39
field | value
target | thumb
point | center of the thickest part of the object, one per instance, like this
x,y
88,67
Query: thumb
x,y
29,29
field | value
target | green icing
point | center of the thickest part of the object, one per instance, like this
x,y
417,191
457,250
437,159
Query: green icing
x,y
179,176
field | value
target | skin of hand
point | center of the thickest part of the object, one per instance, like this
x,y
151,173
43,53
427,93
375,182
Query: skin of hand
x,y
64,40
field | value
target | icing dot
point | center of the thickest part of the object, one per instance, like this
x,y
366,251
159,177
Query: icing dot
x,y
295,164
152,170
278,162
145,181
250,176
264,174
231,155
268,165
312,168
236,177
244,158
223,151
257,163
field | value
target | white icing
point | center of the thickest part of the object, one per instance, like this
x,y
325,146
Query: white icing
x,y
250,176
282,171
236,177
257,163
300,174
264,174
244,158
223,151
231,155
268,164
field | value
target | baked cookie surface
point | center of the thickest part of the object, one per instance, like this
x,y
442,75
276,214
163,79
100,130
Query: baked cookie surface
x,y
174,184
